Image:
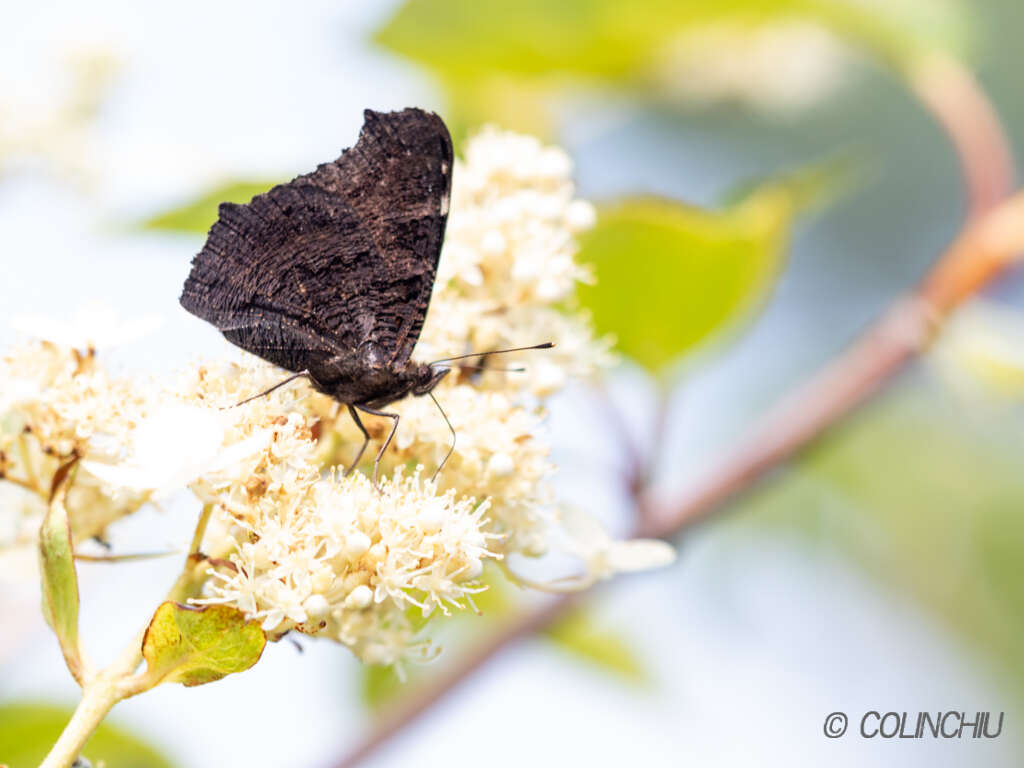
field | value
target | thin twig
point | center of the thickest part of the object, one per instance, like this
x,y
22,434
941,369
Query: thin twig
x,y
129,557
958,104
401,716
634,459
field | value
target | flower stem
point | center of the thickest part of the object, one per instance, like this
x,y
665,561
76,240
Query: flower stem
x,y
98,697
197,537
100,692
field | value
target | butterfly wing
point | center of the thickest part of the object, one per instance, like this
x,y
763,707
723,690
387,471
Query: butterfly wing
x,y
340,262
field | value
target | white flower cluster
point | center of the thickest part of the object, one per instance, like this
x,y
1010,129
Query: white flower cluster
x,y
508,266
289,541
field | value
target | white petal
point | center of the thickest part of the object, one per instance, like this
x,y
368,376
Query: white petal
x,y
170,449
235,454
640,555
15,391
586,534
178,434
122,475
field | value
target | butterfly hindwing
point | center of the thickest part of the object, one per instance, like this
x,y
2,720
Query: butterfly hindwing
x,y
337,263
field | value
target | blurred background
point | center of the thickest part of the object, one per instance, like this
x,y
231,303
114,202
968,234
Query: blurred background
x,y
767,183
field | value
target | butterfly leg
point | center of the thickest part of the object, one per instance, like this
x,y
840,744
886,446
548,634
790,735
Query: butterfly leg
x,y
293,377
366,440
391,434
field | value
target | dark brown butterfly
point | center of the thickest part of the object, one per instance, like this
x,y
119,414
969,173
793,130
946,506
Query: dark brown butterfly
x,y
330,275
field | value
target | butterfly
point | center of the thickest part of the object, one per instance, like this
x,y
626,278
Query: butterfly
x,y
330,275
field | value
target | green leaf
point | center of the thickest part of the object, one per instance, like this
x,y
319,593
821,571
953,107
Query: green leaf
x,y
810,187
29,730
480,49
669,276
379,686
58,575
578,634
925,493
497,600
199,645
199,214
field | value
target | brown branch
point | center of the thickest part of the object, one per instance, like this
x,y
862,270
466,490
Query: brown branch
x,y
405,713
978,254
958,103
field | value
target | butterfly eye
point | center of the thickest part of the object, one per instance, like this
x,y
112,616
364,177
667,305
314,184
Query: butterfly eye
x,y
431,379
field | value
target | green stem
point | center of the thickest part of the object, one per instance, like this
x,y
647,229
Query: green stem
x,y
98,697
103,690
197,537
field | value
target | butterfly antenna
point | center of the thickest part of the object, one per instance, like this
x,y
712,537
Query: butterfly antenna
x,y
454,438
545,345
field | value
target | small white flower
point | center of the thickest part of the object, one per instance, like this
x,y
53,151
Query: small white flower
x,y
359,598
501,465
604,556
580,215
357,544
15,390
316,607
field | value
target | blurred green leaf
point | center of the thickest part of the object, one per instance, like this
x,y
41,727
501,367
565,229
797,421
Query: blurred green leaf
x,y
29,730
926,492
669,275
57,569
199,214
480,49
497,600
379,685
194,646
812,186
578,634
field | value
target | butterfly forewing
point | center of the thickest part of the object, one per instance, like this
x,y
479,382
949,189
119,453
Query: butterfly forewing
x,y
337,264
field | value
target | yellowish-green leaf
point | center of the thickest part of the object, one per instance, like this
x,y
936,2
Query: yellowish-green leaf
x,y
58,575
29,730
199,645
497,600
540,42
380,685
199,214
669,275
809,187
578,634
